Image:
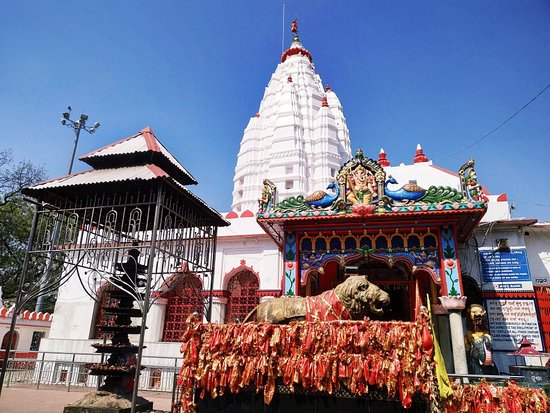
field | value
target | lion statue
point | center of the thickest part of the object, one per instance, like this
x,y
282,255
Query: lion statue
x,y
478,342
350,300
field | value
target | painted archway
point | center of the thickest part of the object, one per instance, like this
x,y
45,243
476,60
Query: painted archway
x,y
14,341
184,298
408,286
241,285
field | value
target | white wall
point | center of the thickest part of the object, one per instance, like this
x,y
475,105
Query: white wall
x,y
74,312
537,240
245,240
25,330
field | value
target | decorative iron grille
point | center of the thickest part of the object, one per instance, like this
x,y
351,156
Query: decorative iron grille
x,y
88,233
129,222
243,296
185,299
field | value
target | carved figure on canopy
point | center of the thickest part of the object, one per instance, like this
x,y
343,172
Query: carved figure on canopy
x,y
471,188
361,186
478,342
363,180
352,299
322,199
407,193
269,195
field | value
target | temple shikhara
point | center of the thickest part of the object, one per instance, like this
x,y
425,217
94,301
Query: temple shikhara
x,y
298,138
338,275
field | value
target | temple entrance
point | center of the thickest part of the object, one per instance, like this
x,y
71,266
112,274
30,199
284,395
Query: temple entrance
x,y
407,293
323,279
397,282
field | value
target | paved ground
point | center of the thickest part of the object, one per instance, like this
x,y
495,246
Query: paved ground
x,y
26,399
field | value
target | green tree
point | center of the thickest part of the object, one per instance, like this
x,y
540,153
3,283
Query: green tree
x,y
15,222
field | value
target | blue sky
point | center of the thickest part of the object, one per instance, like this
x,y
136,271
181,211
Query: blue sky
x,y
438,73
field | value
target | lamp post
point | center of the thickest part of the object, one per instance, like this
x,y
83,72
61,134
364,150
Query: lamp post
x,y
77,126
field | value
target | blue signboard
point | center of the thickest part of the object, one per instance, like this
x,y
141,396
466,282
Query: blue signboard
x,y
504,266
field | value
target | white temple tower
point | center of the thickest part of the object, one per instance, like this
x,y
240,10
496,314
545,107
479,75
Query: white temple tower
x,y
299,137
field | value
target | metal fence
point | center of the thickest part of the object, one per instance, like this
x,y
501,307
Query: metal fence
x,y
68,370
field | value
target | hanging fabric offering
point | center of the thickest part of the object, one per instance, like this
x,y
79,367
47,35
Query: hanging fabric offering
x,y
325,307
393,358
318,356
486,397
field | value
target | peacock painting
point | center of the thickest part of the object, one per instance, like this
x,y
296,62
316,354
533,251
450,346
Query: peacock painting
x,y
322,199
408,192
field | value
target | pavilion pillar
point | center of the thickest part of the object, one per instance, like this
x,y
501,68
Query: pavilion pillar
x,y
155,325
454,305
289,282
453,299
219,307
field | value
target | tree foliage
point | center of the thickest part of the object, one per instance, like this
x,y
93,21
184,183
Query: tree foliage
x,y
15,221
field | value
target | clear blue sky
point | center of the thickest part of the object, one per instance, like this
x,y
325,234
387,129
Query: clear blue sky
x,y
438,73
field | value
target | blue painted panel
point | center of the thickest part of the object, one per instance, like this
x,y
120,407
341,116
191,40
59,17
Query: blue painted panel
x,y
505,265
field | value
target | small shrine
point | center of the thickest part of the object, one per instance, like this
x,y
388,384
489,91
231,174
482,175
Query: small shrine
x,y
130,231
364,261
402,236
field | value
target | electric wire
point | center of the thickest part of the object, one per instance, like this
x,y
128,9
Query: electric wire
x,y
500,125
533,203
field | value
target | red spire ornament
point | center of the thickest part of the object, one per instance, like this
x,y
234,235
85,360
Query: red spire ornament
x,y
294,29
295,48
324,102
382,160
419,156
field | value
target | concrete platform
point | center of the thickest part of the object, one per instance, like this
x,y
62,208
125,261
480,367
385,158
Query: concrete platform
x,y
52,399
106,402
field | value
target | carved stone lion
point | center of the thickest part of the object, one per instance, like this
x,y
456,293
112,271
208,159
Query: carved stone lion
x,y
352,299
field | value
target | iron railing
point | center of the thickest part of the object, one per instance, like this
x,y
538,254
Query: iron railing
x,y
68,370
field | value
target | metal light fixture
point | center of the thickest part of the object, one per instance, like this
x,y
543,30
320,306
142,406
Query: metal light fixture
x,y
77,126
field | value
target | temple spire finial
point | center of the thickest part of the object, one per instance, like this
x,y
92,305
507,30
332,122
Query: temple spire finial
x,y
296,47
294,29
382,158
420,156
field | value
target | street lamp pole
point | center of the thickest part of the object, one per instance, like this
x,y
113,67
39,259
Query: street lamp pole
x,y
77,126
